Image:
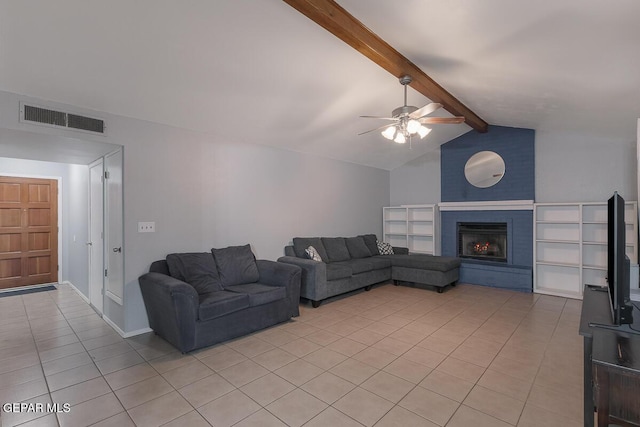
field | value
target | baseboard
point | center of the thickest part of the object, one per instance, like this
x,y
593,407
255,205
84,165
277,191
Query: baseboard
x,y
84,298
122,333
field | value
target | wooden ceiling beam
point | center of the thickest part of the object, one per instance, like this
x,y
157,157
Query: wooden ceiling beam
x,y
332,17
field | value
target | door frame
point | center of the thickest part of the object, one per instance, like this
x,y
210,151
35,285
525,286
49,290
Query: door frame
x,y
100,310
60,213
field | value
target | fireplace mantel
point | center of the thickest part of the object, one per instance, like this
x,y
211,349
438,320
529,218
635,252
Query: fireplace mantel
x,y
491,205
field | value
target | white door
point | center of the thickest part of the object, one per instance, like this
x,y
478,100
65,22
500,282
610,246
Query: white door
x,y
115,233
96,230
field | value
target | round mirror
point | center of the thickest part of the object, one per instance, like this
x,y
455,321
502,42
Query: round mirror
x,y
484,169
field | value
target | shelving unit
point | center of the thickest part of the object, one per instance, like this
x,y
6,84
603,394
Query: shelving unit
x,y
413,227
570,246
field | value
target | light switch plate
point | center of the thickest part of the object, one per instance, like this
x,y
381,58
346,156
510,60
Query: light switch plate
x,y
146,227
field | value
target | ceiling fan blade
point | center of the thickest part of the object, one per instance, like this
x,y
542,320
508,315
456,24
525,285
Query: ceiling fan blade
x,y
380,128
425,111
441,120
378,117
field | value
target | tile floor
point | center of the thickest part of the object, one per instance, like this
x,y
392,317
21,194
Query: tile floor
x,y
394,356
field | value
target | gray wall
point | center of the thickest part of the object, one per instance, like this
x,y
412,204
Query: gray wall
x,y
73,209
203,191
569,167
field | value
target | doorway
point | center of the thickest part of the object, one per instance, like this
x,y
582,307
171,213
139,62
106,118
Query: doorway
x,y
28,231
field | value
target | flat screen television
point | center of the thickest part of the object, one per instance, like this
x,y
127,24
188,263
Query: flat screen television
x,y
618,264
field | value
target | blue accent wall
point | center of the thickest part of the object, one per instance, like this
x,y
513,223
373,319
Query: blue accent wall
x,y
515,145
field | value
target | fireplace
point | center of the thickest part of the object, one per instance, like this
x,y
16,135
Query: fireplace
x,y
483,240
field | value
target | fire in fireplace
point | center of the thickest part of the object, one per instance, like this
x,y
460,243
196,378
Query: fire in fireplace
x,y
483,240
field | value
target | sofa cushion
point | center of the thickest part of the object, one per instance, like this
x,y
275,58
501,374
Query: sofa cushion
x,y
236,265
380,262
425,262
312,254
197,269
357,247
370,240
357,266
302,243
336,249
219,303
260,294
338,271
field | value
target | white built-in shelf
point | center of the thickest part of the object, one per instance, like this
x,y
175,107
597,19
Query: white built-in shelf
x,y
412,226
570,246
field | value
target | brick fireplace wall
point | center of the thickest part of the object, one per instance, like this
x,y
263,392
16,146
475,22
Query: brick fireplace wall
x,y
516,146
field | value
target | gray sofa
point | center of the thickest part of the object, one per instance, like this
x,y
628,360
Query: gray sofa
x,y
194,300
355,262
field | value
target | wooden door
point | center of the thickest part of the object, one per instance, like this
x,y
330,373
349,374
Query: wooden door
x,y
28,231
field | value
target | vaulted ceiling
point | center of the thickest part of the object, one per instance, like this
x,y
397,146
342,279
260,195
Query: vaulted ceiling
x,y
261,72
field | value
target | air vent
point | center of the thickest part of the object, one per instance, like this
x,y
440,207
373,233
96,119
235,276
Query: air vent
x,y
33,114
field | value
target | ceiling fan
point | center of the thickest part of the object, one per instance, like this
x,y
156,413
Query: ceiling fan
x,y
409,120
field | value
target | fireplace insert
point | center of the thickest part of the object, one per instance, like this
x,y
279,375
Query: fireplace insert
x,y
483,240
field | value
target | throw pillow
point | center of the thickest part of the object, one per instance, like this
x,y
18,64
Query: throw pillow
x,y
197,269
312,254
236,265
357,247
384,248
370,240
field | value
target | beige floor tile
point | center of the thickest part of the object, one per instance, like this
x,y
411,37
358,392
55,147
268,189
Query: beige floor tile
x,y
354,371
267,389
24,391
325,358
328,387
366,337
447,385
323,337
62,351
119,420
388,386
409,336
438,345
432,406
57,341
223,359
47,421
18,362
91,411
279,337
72,376
393,346
171,361
469,417
121,361
461,369
18,418
296,408
505,384
205,390
299,372
243,373
20,376
552,400
363,406
274,359
229,409
374,357
334,418
425,357
495,404
143,391
347,346
400,417
534,416
128,376
261,418
190,419
109,350
66,363
300,347
81,392
408,370
252,347
187,374
474,355
160,410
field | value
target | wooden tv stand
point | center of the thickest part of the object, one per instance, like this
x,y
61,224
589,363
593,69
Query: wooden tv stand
x,y
614,357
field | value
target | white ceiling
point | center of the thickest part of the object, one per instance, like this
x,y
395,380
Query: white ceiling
x,y
260,72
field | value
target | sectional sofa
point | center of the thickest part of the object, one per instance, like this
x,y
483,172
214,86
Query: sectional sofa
x,y
345,264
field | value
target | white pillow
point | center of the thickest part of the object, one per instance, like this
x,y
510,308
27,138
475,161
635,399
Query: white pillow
x,y
313,254
384,248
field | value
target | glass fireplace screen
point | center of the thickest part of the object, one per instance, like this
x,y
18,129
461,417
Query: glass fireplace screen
x,y
483,240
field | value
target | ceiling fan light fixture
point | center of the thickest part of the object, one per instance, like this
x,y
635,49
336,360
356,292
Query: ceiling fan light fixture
x,y
400,139
389,132
413,126
423,131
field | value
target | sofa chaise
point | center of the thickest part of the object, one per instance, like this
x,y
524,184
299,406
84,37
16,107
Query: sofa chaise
x,y
194,300
346,264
